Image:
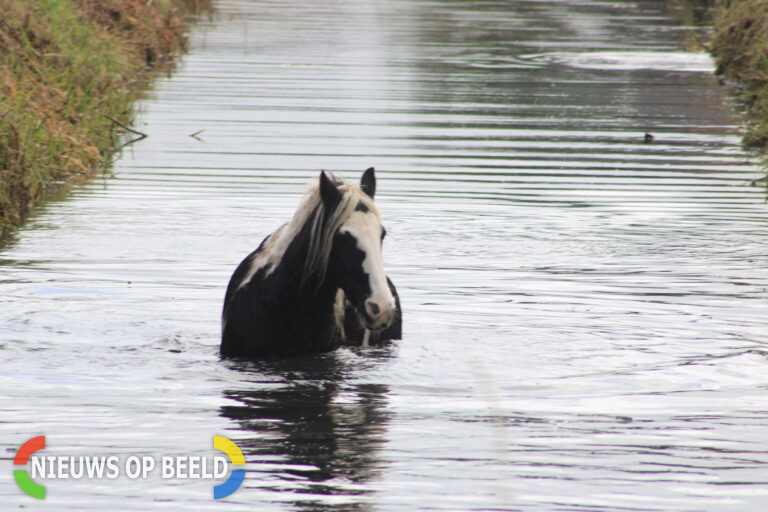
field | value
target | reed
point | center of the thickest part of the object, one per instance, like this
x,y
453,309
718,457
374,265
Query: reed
x,y
70,71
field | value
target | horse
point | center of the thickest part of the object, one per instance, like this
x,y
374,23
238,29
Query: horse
x,y
317,282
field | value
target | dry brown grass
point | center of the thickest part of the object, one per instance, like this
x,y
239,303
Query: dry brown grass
x,y
67,67
740,45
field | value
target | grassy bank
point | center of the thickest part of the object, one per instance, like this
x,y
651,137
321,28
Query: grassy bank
x,y
69,73
740,46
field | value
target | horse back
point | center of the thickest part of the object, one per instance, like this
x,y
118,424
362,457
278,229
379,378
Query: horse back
x,y
262,317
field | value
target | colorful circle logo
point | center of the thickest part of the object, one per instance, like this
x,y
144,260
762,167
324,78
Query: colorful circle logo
x,y
21,475
237,475
95,466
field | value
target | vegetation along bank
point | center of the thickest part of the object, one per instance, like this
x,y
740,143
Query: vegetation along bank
x,y
70,71
740,46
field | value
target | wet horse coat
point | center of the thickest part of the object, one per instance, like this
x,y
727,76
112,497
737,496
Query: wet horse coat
x,y
317,282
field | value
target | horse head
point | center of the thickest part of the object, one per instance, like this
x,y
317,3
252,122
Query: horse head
x,y
355,260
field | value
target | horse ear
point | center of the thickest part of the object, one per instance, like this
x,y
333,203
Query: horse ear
x,y
329,193
368,182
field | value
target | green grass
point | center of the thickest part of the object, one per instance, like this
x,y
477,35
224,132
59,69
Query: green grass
x,y
66,68
740,46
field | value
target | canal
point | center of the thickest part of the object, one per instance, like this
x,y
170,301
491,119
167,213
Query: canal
x,y
584,306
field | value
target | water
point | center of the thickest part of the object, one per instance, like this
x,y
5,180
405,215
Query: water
x,y
585,313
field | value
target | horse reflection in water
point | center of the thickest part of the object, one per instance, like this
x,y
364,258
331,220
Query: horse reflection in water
x,y
308,435
316,283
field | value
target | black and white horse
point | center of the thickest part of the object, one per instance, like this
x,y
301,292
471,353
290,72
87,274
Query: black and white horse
x,y
317,282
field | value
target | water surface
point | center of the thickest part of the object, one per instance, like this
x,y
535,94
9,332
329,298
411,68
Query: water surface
x,y
585,313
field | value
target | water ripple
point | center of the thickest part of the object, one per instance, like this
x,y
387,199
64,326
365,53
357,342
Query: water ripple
x,y
585,307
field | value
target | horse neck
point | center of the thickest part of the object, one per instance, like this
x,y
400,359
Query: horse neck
x,y
309,291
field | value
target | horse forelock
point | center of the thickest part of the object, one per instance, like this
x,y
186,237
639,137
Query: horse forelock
x,y
325,224
318,226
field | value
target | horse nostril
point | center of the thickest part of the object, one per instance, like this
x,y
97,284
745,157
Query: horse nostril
x,y
373,308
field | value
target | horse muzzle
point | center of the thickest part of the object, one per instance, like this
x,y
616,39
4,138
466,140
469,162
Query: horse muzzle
x,y
378,313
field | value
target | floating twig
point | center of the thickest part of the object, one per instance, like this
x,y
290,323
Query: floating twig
x,y
141,135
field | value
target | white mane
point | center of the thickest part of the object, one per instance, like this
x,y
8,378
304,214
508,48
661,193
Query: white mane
x,y
321,232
